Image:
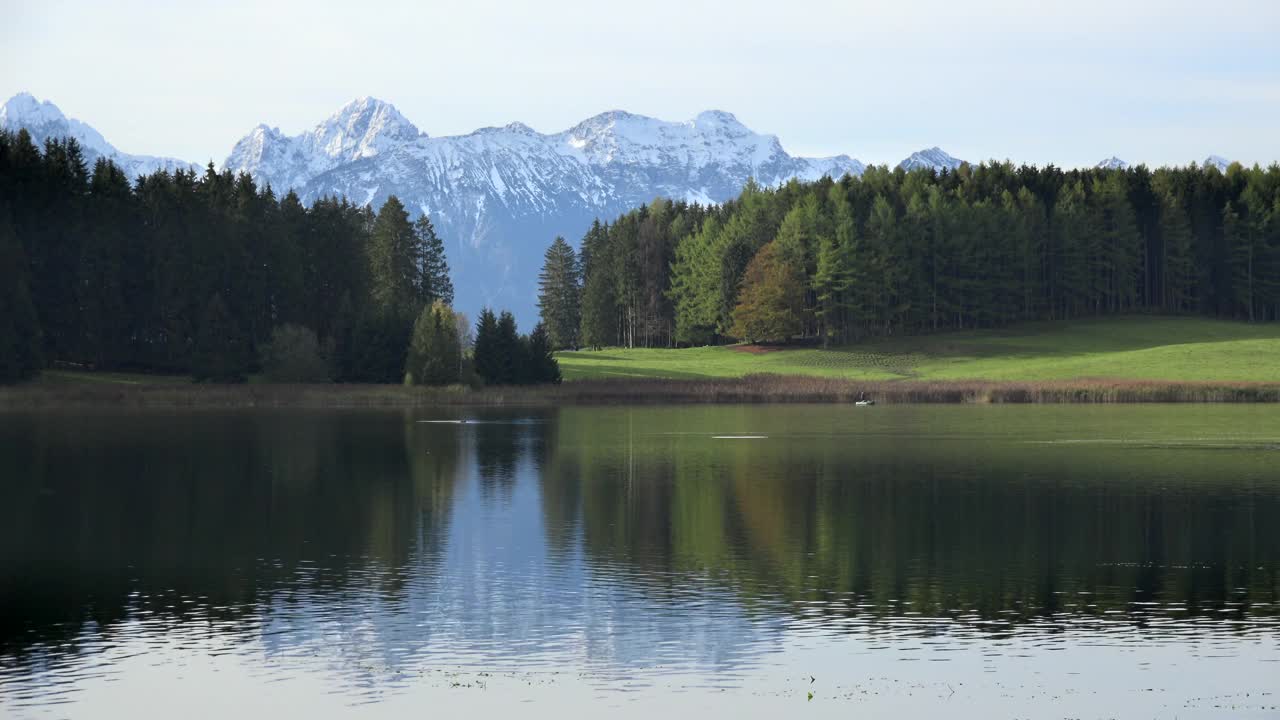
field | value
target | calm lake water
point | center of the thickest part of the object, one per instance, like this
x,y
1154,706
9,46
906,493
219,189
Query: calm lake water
x,y
925,561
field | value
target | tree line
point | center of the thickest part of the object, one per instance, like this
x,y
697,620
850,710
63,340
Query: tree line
x,y
895,252
209,275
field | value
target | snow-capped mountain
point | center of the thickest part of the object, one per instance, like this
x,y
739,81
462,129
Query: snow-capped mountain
x,y
499,195
1112,163
43,120
933,158
362,128
1217,161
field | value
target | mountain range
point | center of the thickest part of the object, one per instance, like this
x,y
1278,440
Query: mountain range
x,y
44,121
499,195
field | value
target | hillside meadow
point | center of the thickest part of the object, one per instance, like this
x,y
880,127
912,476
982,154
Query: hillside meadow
x,y
1183,349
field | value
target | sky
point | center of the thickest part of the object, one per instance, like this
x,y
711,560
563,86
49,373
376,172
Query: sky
x,y
1154,81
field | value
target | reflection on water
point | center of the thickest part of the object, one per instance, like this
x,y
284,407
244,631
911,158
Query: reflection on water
x,y
974,561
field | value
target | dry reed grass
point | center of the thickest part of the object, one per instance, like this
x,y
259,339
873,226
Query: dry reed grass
x,y
750,389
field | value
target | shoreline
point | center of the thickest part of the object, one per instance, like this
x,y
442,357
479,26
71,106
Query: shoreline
x,y
752,389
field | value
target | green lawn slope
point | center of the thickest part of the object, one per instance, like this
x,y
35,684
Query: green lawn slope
x,y
1130,348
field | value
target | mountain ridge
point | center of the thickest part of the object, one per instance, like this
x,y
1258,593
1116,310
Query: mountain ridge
x,y
500,194
45,121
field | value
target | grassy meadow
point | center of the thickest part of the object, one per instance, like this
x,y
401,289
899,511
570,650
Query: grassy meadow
x,y
1183,349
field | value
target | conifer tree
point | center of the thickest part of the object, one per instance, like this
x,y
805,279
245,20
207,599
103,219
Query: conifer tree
x,y
434,282
1178,264
559,295
508,351
395,257
540,360
485,354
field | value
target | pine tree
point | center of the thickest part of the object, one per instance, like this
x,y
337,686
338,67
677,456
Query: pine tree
x,y
559,295
1178,263
599,304
487,363
434,281
107,279
510,360
435,353
395,257
541,363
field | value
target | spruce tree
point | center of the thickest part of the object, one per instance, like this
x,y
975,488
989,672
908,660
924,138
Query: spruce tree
x,y
510,359
395,261
598,306
434,281
559,295
541,363
485,355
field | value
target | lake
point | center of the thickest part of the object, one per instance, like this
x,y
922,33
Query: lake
x,y
920,561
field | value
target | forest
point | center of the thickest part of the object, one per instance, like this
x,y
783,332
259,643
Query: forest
x,y
213,277
210,276
896,253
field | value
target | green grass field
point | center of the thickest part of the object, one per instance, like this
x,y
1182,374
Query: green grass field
x,y
1130,348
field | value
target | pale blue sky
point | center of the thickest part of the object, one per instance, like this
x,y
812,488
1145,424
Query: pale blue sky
x,y
1156,81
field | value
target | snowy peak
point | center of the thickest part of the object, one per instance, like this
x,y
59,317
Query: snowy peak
x,y
931,159
618,136
362,128
1112,163
1217,161
44,121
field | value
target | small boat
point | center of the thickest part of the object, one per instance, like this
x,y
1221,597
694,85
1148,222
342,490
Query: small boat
x,y
865,403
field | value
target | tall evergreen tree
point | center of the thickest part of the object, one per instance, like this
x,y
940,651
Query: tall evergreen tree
x,y
559,295
486,353
508,351
395,257
599,304
434,282
540,362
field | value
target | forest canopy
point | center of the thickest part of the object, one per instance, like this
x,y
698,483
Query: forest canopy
x,y
895,252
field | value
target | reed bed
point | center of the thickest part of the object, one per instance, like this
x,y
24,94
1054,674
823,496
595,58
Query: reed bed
x,y
749,389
